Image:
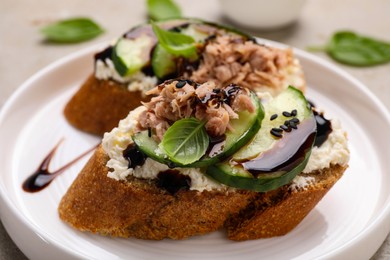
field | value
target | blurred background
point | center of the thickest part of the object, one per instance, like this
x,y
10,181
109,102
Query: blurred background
x,y
23,50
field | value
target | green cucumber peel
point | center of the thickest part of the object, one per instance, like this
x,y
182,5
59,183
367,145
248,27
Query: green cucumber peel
x,y
233,178
131,55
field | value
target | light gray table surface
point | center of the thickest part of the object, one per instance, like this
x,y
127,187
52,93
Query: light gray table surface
x,y
23,51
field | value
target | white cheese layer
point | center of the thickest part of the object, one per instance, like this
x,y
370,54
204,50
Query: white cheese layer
x,y
137,81
333,151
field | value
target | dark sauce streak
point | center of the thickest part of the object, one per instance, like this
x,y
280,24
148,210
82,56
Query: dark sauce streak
x,y
184,66
216,145
173,181
286,153
104,54
42,177
134,156
324,128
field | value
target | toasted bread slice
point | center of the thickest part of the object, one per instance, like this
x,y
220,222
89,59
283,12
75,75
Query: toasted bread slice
x,y
139,208
98,105
277,212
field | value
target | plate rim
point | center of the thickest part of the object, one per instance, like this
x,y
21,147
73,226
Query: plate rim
x,y
373,226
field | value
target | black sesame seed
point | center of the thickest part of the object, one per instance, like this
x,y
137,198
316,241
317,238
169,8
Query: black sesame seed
x,y
171,165
149,132
287,123
273,117
190,82
277,130
293,125
295,120
285,128
181,83
286,114
276,133
294,112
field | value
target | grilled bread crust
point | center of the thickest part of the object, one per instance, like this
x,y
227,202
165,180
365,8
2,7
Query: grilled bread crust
x,y
139,208
98,105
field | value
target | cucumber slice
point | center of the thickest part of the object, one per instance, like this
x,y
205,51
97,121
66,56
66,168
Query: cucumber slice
x,y
194,31
163,63
130,55
240,178
288,100
268,162
245,127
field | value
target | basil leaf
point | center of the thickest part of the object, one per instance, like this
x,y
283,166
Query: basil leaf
x,y
175,43
162,9
186,141
72,30
356,50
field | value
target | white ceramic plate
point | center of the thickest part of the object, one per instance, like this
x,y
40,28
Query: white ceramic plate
x,y
350,222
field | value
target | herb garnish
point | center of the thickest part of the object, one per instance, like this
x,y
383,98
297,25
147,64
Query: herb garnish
x,y
162,9
356,50
175,43
72,30
186,141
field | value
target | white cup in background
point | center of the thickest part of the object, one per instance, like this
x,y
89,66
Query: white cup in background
x,y
262,14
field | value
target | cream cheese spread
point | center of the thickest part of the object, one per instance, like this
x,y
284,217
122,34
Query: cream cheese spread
x,y
333,151
137,81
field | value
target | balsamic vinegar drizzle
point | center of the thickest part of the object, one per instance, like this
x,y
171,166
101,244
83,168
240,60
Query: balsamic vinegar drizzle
x,y
172,181
134,156
216,145
105,54
324,126
42,177
287,153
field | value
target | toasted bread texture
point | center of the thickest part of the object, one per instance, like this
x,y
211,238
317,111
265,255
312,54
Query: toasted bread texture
x,y
98,105
139,208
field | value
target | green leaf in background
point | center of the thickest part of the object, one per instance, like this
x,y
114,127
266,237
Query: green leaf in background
x,y
356,50
72,30
186,141
175,43
162,9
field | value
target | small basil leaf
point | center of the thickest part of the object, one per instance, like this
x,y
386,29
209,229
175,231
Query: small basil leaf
x,y
353,49
186,141
356,50
72,30
175,43
162,9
